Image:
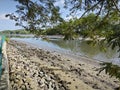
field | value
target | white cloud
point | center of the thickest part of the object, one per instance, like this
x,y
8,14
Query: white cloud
x,y
118,4
68,18
60,2
2,17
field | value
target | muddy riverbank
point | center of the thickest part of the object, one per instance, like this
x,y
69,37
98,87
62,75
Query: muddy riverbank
x,y
32,68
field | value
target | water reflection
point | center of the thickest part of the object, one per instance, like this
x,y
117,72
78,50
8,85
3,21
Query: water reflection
x,y
76,47
85,49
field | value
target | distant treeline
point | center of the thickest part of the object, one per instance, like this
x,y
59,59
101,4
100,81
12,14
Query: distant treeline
x,y
20,31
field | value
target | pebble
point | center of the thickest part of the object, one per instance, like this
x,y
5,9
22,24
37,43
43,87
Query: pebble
x,y
26,74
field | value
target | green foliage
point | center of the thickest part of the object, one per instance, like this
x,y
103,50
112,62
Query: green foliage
x,y
53,31
36,15
114,40
87,25
101,7
111,69
68,29
7,39
15,32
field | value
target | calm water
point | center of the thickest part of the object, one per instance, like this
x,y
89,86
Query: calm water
x,y
74,47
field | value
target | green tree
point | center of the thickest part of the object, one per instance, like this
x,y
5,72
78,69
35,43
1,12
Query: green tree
x,y
68,30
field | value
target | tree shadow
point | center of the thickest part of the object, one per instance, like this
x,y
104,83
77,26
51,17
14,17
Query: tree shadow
x,y
3,85
3,81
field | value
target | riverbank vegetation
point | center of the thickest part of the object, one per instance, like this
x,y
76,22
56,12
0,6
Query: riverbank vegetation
x,y
83,27
21,31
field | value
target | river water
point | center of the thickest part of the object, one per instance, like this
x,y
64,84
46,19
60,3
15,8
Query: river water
x,y
76,47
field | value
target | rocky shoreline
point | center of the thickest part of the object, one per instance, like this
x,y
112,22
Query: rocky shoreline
x,y
32,68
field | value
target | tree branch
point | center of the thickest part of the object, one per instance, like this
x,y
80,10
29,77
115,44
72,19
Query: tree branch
x,y
90,8
116,6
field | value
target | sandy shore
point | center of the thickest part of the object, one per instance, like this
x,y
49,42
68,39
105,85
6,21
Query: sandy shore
x,y
36,69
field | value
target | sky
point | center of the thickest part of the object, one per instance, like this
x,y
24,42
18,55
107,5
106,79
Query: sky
x,y
9,6
6,7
